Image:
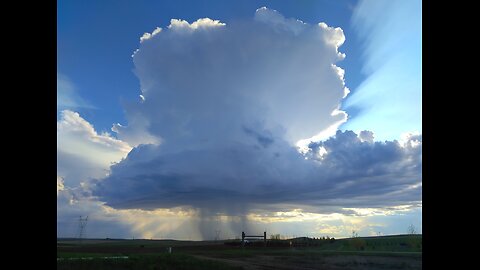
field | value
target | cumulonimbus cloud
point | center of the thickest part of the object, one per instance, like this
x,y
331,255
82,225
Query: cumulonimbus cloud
x,y
227,104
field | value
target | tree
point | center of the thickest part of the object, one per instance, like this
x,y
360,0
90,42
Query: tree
x,y
275,236
411,229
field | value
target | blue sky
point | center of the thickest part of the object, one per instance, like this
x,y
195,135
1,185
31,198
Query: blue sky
x,y
239,93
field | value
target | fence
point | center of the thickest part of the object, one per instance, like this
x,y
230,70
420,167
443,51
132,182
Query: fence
x,y
254,237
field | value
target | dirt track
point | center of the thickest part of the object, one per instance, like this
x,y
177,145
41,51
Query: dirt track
x,y
344,262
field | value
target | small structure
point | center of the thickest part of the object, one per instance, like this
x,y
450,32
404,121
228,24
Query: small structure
x,y
254,237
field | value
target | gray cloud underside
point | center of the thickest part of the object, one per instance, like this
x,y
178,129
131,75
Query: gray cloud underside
x,y
352,174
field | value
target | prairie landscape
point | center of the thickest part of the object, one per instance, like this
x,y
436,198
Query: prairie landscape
x,y
382,252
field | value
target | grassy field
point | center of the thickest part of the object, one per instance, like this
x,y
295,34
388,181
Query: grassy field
x,y
159,261
387,252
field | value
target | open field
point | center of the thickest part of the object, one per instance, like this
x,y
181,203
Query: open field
x,y
388,252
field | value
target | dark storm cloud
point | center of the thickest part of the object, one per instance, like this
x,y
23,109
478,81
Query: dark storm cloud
x,y
352,173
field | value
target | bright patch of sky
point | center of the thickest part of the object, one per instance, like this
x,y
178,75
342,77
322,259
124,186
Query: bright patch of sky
x,y
389,100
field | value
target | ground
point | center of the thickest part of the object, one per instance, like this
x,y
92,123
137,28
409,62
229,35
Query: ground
x,y
391,252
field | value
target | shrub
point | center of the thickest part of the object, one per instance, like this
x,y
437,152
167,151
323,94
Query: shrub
x,y
358,243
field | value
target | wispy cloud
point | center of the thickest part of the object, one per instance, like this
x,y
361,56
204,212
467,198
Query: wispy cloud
x,y
67,95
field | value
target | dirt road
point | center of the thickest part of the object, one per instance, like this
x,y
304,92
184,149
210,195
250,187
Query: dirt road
x,y
342,262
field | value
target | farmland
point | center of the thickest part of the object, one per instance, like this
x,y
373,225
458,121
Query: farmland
x,y
387,252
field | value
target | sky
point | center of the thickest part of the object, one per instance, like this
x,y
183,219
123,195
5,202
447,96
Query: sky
x,y
177,119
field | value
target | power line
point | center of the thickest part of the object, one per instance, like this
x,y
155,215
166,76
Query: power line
x,y
82,224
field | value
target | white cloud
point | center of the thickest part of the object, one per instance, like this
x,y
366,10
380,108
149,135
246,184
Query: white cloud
x,y
366,136
410,139
82,153
204,23
249,73
148,35
274,18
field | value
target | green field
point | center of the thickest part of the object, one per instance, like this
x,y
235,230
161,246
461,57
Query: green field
x,y
387,252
